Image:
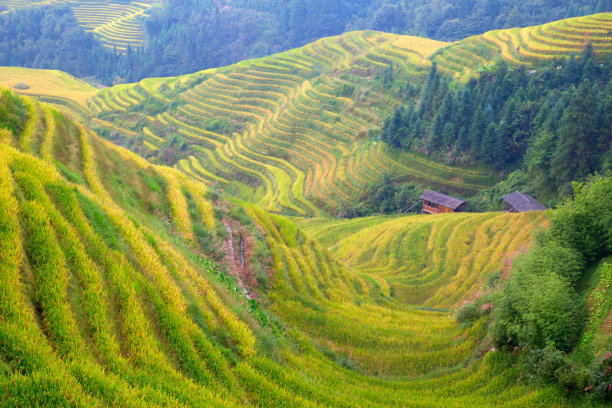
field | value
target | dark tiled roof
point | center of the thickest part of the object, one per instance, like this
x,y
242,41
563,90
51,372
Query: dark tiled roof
x,y
523,202
447,201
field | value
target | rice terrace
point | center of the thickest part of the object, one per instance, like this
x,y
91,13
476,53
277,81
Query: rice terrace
x,y
351,218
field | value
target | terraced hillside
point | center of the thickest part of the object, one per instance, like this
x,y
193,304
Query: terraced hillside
x,y
115,24
291,132
433,261
294,132
107,298
527,46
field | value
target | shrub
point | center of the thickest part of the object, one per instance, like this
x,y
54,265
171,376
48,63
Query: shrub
x,y
21,85
536,310
468,313
553,257
602,374
545,363
539,305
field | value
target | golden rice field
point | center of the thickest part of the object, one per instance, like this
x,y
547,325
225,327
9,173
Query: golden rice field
x,y
107,300
527,46
436,262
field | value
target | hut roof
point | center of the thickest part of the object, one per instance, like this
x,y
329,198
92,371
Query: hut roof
x,y
523,202
442,199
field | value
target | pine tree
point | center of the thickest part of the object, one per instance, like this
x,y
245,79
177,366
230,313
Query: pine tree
x,y
487,145
448,135
576,154
477,129
388,75
429,90
538,159
463,142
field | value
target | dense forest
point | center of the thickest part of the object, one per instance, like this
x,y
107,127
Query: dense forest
x,y
553,125
453,20
183,36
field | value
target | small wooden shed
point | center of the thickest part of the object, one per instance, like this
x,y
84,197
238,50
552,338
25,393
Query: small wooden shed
x,y
519,202
437,203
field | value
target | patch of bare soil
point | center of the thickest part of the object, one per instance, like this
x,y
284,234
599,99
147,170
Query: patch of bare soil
x,y
239,249
510,259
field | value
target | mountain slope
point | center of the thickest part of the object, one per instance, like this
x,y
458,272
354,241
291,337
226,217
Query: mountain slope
x,y
291,132
115,24
527,46
108,298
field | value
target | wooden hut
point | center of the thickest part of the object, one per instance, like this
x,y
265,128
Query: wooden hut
x,y
437,203
519,202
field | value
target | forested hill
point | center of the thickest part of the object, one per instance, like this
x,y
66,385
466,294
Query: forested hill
x,y
552,125
183,36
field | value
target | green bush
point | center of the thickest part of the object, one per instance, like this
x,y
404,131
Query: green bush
x,y
468,313
542,308
550,256
539,304
602,380
534,311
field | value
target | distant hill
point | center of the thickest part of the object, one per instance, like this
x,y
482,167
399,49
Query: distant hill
x,y
176,37
115,24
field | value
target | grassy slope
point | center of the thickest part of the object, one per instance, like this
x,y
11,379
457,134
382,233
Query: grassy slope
x,y
51,85
105,299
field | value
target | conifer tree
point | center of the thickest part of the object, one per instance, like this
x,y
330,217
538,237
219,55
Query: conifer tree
x,y
576,153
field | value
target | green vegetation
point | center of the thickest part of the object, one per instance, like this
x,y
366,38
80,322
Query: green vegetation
x,y
542,307
202,267
551,125
108,298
